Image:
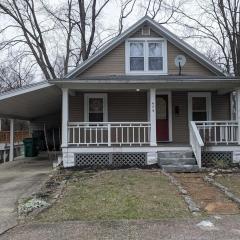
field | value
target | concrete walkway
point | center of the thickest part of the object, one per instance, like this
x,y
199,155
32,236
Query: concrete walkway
x,y
19,179
226,228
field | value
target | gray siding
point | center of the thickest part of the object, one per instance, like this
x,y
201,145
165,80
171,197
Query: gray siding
x,y
221,109
129,106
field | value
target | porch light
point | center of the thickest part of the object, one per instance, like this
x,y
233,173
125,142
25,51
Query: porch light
x,y
137,90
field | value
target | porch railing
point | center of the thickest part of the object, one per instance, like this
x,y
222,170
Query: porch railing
x,y
108,133
211,133
196,142
218,132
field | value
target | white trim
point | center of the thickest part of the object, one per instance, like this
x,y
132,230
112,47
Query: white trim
x,y
152,108
207,95
26,89
11,151
222,148
65,116
145,42
86,105
162,31
125,149
238,113
169,94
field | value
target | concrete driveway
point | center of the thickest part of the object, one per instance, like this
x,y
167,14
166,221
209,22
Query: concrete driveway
x,y
226,228
19,179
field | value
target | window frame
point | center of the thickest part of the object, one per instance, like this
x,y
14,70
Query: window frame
x,y
146,70
207,96
87,96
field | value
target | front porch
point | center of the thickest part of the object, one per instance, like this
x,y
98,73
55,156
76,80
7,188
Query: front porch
x,y
164,127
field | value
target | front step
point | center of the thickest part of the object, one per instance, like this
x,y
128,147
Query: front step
x,y
177,161
179,154
180,168
182,161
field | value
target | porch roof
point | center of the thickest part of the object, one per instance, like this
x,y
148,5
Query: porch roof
x,y
168,82
29,102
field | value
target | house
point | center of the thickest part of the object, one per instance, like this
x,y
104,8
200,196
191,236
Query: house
x,y
145,96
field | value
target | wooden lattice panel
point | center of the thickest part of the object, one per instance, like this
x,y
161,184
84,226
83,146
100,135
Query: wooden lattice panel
x,y
210,158
129,159
91,159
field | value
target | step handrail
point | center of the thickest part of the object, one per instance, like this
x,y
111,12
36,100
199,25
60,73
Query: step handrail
x,y
196,142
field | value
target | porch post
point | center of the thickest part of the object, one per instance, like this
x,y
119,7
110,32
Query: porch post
x,y
11,151
65,110
152,116
238,113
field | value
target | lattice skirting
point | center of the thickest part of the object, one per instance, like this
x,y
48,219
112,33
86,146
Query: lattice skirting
x,y
209,159
110,159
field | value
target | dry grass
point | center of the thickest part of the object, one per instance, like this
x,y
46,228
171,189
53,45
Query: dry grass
x,y
117,194
231,181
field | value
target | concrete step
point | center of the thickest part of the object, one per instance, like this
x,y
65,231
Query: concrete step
x,y
177,161
180,169
179,154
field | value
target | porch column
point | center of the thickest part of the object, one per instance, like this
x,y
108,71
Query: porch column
x,y
152,116
65,111
11,151
238,113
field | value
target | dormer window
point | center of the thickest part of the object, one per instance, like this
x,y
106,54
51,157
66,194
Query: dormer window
x,y
146,56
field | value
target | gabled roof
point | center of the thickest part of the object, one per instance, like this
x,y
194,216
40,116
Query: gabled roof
x,y
172,38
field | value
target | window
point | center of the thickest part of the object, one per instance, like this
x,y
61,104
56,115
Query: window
x,y
146,56
136,56
155,58
199,106
95,105
199,109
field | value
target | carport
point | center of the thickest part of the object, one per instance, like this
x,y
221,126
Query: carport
x,y
36,103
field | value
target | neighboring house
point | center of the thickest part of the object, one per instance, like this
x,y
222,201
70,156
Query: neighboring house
x,y
131,104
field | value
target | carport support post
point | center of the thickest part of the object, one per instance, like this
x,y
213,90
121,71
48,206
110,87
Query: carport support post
x,y
65,117
238,113
11,152
152,116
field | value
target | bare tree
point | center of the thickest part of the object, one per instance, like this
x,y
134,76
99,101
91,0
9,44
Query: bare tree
x,y
218,21
15,74
76,19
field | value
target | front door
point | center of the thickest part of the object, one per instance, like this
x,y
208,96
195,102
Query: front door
x,y
162,125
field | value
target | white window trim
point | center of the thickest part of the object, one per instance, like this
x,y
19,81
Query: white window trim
x,y
146,71
207,95
169,94
86,105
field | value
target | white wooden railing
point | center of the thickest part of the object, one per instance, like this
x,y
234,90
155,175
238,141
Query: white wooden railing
x,y
108,133
218,132
211,133
196,142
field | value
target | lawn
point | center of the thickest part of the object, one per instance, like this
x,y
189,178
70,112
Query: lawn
x,y
115,195
231,181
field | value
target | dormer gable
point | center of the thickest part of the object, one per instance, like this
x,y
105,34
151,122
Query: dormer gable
x,y
146,48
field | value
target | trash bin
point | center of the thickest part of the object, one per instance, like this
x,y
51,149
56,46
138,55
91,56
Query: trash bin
x,y
30,147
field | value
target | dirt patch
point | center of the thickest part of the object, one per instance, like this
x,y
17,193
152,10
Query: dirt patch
x,y
208,197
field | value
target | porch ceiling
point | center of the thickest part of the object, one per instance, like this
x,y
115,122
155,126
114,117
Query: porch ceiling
x,y
31,102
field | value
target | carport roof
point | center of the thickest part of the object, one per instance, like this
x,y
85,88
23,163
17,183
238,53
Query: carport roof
x,y
30,102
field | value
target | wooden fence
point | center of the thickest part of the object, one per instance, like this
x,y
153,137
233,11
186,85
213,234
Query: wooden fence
x,y
18,136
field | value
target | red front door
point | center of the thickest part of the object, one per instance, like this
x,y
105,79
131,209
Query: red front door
x,y
162,118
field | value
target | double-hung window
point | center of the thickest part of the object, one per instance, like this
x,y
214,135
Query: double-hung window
x,y
146,56
95,107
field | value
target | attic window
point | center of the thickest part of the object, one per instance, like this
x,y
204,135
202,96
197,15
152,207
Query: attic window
x,y
146,56
146,31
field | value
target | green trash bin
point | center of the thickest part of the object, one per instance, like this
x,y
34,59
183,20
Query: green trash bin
x,y
30,147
